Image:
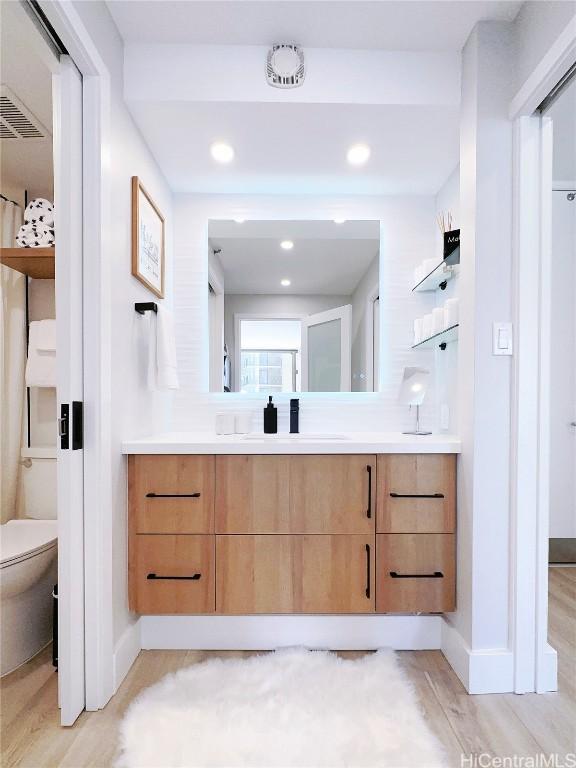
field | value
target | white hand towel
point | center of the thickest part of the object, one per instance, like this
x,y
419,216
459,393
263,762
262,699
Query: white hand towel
x,y
41,365
47,336
163,351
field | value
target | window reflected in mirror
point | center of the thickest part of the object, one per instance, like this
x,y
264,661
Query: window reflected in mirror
x,y
294,306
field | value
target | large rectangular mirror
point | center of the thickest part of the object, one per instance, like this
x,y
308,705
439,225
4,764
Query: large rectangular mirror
x,y
294,306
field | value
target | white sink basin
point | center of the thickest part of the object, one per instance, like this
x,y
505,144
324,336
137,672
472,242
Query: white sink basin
x,y
312,437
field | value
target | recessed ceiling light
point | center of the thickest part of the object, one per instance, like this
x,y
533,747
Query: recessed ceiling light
x,y
222,152
339,221
239,221
358,154
285,283
287,245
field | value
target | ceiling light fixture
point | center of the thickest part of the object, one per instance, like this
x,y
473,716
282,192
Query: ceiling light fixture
x,y
358,154
339,221
287,245
239,221
222,152
285,283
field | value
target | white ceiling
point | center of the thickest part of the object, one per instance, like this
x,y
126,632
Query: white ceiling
x,y
301,148
26,163
295,142
327,258
354,24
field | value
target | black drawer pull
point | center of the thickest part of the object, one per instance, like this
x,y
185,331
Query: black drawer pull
x,y
417,495
369,510
435,575
154,577
368,571
172,495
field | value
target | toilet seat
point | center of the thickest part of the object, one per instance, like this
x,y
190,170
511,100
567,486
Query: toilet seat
x,y
22,539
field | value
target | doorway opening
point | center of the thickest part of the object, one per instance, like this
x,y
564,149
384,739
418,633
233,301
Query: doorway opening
x,y
42,352
562,493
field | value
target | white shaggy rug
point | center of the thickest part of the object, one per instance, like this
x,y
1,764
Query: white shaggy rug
x,y
292,708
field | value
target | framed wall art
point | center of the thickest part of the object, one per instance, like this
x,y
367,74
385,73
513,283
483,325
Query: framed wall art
x,y
147,240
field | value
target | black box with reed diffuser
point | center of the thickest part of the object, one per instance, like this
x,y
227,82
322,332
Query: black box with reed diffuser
x,y
452,246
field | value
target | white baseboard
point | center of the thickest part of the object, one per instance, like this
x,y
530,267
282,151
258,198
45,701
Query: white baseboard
x,y
550,675
126,653
485,671
268,632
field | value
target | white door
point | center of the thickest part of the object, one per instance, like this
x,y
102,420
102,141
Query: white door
x,y
563,368
326,351
68,212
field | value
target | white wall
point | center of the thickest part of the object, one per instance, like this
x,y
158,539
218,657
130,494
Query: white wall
x,y
481,619
135,409
407,227
446,362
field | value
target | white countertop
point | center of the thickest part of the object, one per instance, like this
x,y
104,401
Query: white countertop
x,y
349,442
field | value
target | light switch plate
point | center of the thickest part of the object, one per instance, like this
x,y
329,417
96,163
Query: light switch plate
x,y
502,341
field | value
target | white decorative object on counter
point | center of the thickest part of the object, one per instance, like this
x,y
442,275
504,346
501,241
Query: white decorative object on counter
x,y
243,422
225,423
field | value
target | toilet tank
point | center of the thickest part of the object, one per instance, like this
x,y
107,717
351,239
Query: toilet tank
x,y
37,498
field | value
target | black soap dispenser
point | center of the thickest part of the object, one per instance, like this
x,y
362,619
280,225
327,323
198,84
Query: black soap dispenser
x,y
270,418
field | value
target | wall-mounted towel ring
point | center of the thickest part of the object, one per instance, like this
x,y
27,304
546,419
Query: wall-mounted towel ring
x,y
145,306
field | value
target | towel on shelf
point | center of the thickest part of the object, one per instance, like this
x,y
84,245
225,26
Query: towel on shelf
x,y
35,236
163,373
39,211
41,365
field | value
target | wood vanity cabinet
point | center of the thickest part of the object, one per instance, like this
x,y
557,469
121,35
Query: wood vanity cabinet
x,y
295,574
171,494
172,574
257,534
415,540
295,494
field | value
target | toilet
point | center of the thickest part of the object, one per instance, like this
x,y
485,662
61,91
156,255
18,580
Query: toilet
x,y
29,564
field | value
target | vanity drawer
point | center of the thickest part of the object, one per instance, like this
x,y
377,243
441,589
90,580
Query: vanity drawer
x,y
333,494
171,494
295,574
415,572
296,494
252,494
172,574
416,493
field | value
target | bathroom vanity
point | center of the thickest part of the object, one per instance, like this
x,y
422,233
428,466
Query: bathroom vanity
x,y
240,526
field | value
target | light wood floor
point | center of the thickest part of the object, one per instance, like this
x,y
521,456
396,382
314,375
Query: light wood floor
x,y
500,725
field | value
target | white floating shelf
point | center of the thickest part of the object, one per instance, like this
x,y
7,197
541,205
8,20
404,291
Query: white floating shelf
x,y
435,279
439,339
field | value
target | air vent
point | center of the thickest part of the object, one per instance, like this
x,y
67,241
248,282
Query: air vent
x,y
285,66
16,120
